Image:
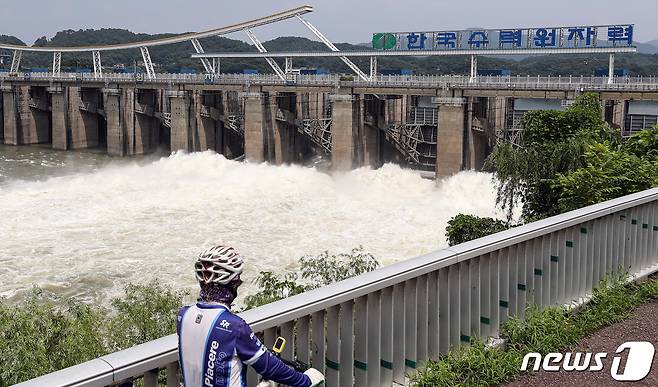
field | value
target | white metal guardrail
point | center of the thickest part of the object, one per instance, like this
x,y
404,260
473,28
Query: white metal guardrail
x,y
567,83
372,329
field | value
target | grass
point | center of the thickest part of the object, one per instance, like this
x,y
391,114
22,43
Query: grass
x,y
554,329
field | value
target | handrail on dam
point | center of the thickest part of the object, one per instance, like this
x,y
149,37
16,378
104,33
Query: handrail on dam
x,y
373,329
562,83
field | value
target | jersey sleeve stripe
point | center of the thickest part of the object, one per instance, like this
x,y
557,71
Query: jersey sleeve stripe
x,y
256,356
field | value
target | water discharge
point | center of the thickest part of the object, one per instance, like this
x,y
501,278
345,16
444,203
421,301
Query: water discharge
x,y
87,234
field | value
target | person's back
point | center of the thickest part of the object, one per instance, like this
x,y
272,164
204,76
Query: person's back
x,y
215,345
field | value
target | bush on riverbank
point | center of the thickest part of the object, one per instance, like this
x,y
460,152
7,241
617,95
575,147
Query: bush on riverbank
x,y
314,272
463,228
553,329
46,333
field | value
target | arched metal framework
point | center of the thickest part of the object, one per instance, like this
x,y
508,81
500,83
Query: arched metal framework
x,y
210,65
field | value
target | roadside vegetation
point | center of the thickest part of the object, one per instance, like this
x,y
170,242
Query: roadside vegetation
x,y
569,160
45,333
314,272
554,329
463,228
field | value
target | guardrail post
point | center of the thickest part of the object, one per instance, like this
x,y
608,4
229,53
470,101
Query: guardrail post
x,y
361,341
287,333
346,344
319,341
373,352
151,378
302,342
333,360
399,336
410,326
388,324
422,319
433,316
464,304
173,378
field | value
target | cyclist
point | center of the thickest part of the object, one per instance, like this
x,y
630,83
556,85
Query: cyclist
x,y
216,346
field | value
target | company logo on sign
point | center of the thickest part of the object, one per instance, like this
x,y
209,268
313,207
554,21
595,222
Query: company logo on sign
x,y
638,361
384,41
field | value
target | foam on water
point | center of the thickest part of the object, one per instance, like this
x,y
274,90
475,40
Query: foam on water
x,y
89,234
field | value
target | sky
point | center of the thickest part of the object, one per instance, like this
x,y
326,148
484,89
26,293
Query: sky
x,y
351,21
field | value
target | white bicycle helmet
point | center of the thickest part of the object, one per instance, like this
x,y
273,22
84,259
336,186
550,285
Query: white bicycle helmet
x,y
218,265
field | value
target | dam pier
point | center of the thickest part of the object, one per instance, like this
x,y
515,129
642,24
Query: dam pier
x,y
432,123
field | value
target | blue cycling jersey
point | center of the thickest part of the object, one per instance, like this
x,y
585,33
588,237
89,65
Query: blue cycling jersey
x,y
215,346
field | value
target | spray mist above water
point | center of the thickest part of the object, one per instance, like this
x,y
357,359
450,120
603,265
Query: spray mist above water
x,y
89,234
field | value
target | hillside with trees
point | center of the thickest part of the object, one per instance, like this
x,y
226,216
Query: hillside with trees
x,y
173,57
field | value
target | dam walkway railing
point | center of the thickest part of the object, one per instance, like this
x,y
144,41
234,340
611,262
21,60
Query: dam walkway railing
x,y
488,82
374,329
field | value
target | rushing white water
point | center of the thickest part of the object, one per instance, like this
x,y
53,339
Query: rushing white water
x,y
89,234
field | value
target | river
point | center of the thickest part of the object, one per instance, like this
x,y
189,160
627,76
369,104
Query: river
x,y
83,224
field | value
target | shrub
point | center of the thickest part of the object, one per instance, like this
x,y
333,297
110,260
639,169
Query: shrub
x,y
145,313
463,228
314,272
46,333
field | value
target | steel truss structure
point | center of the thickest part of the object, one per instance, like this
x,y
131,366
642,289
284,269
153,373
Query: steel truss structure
x,y
261,48
235,122
211,66
16,62
319,131
98,66
148,64
416,139
57,63
410,139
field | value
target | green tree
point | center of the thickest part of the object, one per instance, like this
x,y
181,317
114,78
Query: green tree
x,y
608,174
644,144
463,228
554,143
